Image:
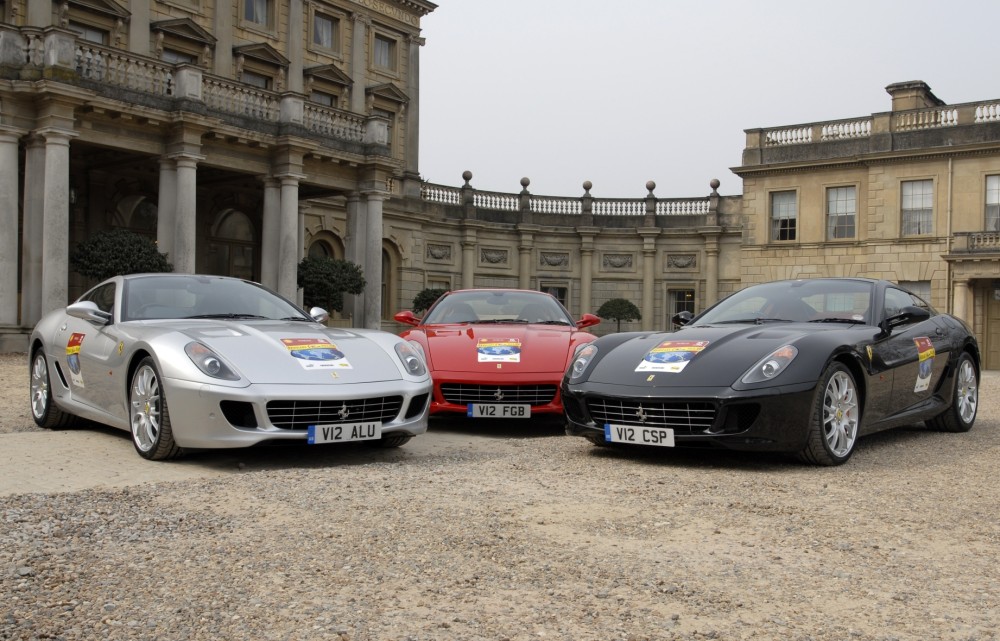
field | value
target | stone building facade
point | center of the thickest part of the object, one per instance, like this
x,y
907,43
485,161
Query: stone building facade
x,y
911,195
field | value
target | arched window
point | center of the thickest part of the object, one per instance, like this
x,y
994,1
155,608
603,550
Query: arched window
x,y
232,246
138,214
320,249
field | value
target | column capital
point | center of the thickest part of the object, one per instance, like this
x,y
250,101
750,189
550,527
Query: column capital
x,y
54,135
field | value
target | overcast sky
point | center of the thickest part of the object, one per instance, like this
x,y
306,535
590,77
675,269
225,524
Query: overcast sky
x,y
622,92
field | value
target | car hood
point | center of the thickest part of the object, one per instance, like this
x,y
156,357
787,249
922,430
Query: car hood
x,y
294,352
480,348
697,356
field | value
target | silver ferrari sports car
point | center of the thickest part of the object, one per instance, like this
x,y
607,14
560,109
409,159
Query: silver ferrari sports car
x,y
190,362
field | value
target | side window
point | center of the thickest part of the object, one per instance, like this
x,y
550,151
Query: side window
x,y
896,300
103,297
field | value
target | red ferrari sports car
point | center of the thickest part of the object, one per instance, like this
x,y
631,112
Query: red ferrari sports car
x,y
497,353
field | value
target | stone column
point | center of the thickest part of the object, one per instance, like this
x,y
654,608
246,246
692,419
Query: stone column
x,y
55,220
524,259
961,299
586,270
711,270
9,196
39,14
270,233
355,244
166,208
468,258
412,118
359,61
31,242
138,28
648,276
288,237
373,261
186,221
222,29
295,48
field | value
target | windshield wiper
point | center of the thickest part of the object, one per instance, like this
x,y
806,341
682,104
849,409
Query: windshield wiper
x,y
755,321
228,316
837,320
297,318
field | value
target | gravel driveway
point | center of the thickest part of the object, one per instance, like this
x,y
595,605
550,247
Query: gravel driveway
x,y
500,531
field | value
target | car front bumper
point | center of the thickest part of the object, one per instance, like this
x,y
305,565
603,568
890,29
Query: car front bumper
x,y
770,419
203,416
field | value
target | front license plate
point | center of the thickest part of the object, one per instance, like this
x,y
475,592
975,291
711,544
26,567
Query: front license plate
x,y
498,410
661,436
342,433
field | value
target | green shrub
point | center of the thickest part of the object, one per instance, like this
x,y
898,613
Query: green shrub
x,y
118,252
324,281
619,309
425,298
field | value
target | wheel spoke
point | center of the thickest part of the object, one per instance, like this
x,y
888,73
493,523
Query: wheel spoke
x,y
39,386
967,395
145,408
840,414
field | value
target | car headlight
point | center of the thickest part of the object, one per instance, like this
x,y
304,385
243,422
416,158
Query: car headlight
x,y
411,359
771,365
210,363
584,356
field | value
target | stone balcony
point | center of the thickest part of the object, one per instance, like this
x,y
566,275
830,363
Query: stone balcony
x,y
943,128
57,55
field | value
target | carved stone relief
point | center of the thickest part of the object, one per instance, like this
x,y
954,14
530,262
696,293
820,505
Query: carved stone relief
x,y
617,261
493,256
439,252
682,261
553,259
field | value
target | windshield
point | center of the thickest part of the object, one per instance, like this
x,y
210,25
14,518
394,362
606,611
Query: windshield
x,y
831,301
185,296
498,306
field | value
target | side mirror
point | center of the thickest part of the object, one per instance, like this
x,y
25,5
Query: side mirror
x,y
88,311
587,320
319,314
682,318
407,318
907,315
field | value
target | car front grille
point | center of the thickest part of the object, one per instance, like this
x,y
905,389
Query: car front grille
x,y
684,417
463,394
299,415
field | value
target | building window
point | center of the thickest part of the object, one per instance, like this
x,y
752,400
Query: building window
x,y
841,208
323,98
177,57
257,80
918,207
326,32
257,12
784,213
993,203
384,55
231,249
90,34
561,293
681,300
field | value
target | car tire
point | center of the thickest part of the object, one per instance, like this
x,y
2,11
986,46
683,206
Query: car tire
x,y
43,409
960,416
149,417
391,440
835,419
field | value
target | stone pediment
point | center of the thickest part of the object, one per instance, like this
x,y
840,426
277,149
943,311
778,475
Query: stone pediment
x,y
106,7
388,91
184,28
329,73
263,52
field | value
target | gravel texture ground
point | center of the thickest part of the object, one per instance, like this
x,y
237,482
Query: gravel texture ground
x,y
521,533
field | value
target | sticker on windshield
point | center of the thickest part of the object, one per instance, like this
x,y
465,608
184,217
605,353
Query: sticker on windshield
x,y
316,353
670,356
499,350
73,358
925,358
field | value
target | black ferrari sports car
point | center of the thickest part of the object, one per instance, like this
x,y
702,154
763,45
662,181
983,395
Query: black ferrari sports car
x,y
802,366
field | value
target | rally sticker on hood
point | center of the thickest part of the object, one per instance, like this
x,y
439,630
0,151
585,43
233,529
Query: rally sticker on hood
x,y
925,357
73,358
670,356
499,350
316,353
